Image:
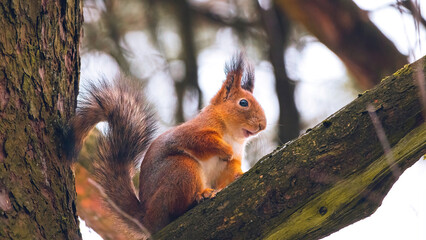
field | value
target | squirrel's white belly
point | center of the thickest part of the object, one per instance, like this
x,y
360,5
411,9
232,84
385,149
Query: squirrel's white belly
x,y
237,145
211,170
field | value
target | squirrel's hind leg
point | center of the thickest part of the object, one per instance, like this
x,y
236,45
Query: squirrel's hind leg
x,y
176,193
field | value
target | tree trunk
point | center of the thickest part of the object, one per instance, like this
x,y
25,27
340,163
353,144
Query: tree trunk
x,y
39,71
335,175
347,31
277,27
188,85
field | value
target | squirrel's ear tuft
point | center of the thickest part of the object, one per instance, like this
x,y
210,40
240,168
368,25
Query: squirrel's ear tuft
x,y
235,65
248,78
234,71
239,75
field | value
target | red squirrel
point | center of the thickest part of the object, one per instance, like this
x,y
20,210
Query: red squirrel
x,y
182,166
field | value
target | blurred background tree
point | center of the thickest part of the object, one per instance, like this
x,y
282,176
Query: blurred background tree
x,y
178,48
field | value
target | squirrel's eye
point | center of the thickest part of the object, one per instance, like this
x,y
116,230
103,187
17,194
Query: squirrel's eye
x,y
243,103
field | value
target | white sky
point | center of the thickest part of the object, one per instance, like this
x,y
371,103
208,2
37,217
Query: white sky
x,y
403,212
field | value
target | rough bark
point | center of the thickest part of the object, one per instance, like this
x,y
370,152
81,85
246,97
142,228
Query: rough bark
x,y
332,176
347,31
39,71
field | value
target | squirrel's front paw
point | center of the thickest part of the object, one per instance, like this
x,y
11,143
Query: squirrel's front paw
x,y
205,194
225,154
226,158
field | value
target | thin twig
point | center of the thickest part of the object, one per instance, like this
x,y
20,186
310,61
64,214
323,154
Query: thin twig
x,y
383,141
419,76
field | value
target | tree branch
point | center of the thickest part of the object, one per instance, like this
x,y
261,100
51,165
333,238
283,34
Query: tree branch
x,y
277,27
234,22
347,31
332,176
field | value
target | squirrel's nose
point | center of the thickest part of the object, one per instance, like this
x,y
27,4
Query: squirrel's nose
x,y
261,126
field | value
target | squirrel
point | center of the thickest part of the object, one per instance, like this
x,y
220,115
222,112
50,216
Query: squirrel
x,y
181,167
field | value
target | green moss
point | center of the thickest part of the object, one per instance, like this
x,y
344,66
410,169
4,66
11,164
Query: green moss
x,y
365,92
385,78
406,70
20,229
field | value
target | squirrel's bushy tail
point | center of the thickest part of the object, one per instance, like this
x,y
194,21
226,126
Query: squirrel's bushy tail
x,y
130,129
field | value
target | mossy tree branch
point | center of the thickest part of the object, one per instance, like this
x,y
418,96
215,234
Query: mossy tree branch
x,y
335,175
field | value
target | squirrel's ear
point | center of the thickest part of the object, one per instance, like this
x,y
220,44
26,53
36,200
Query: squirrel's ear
x,y
234,70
